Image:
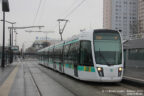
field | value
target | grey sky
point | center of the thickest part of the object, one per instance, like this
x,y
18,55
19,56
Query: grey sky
x,y
88,16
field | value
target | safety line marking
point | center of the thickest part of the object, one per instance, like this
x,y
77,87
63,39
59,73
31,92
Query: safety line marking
x,y
133,78
6,86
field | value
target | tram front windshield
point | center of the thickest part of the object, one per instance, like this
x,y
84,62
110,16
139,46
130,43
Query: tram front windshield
x,y
107,47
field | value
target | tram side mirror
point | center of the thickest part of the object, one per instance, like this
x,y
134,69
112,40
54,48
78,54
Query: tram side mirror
x,y
120,30
5,6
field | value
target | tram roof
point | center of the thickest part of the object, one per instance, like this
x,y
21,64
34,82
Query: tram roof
x,y
84,35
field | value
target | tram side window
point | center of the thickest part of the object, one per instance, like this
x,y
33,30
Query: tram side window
x,y
44,56
50,53
74,53
47,56
55,52
61,50
66,52
86,53
58,52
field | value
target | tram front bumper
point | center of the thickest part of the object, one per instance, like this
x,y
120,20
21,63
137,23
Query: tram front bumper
x,y
110,79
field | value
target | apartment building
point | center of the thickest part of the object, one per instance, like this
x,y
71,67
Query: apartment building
x,y
141,16
121,15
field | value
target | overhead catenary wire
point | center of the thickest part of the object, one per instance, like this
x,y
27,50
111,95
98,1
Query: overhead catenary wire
x,y
72,11
71,7
40,2
66,16
45,2
43,10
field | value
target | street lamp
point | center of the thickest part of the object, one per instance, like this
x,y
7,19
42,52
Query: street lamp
x,y
5,8
11,39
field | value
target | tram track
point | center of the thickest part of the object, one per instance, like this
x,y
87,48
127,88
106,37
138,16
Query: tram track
x,y
58,82
99,89
34,81
43,89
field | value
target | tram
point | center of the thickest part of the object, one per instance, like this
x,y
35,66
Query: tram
x,y
95,55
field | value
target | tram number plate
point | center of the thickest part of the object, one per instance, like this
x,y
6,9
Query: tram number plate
x,y
111,70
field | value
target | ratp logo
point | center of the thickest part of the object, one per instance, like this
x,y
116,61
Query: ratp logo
x,y
111,70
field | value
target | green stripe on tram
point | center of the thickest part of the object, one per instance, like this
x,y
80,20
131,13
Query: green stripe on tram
x,y
69,42
86,68
73,41
59,45
80,68
69,66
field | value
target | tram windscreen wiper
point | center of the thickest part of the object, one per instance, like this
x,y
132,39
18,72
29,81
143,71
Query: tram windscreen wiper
x,y
101,55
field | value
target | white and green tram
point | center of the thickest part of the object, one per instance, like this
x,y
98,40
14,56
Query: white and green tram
x,y
95,55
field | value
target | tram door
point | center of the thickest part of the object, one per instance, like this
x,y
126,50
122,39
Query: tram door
x,y
75,70
73,55
54,65
60,67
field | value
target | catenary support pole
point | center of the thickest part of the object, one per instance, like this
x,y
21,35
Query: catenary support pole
x,y
3,47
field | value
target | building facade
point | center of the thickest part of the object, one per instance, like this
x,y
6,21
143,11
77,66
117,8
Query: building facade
x,y
121,15
39,44
141,17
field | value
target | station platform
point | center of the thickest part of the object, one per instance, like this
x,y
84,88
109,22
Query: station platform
x,y
24,79
134,74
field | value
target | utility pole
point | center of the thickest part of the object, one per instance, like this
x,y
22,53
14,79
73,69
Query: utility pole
x,y
5,8
11,32
10,39
15,38
26,27
3,47
61,30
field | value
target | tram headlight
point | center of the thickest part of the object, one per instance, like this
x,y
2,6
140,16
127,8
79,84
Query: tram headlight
x,y
120,69
100,71
99,68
